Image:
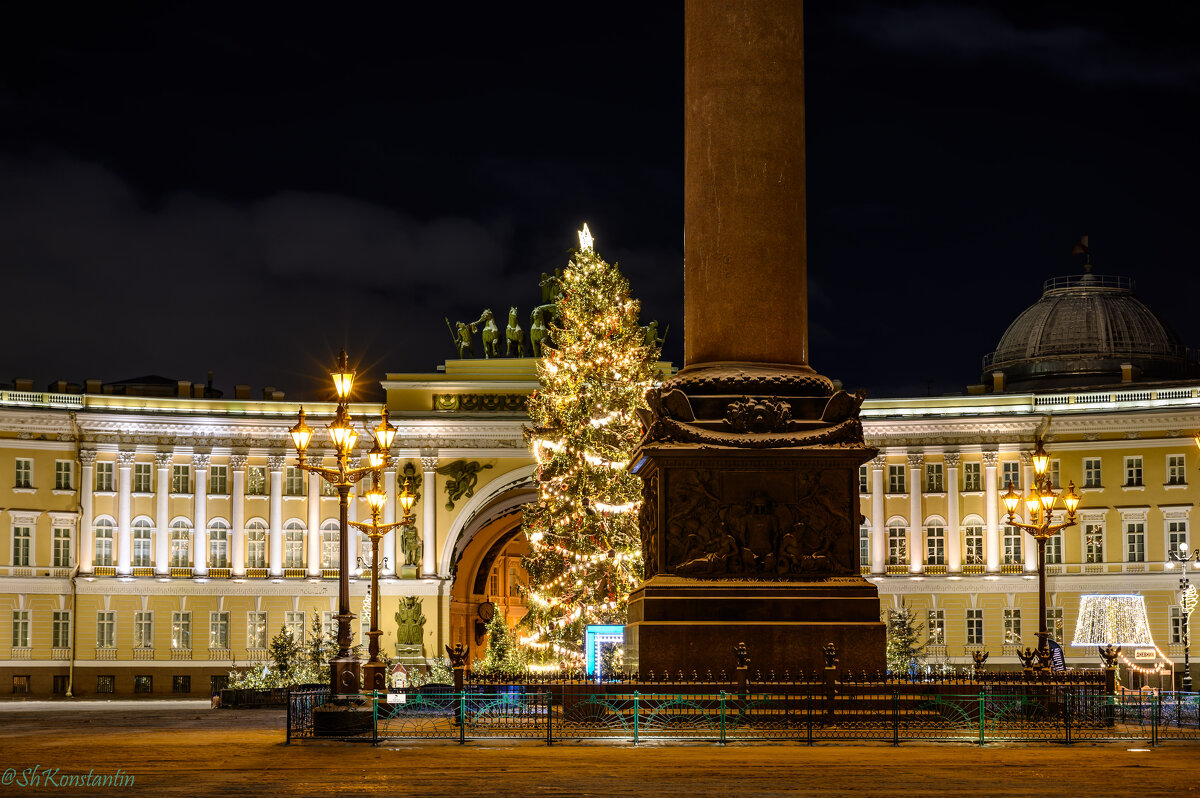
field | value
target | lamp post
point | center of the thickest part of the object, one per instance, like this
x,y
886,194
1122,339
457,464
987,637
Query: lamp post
x,y
344,667
375,672
1187,602
1041,502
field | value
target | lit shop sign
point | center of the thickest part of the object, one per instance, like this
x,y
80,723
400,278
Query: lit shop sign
x,y
1144,654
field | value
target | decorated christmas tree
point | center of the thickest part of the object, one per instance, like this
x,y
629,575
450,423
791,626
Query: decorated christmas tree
x,y
583,534
904,639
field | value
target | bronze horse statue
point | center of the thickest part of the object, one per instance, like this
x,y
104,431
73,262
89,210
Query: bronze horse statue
x,y
514,334
490,334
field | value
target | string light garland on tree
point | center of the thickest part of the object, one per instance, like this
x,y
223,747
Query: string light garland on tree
x,y
585,547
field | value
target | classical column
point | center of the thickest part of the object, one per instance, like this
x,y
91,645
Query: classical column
x,y
200,514
744,204
86,546
275,551
237,514
355,540
125,482
916,525
1028,542
992,505
314,518
429,522
162,519
878,533
953,533
389,517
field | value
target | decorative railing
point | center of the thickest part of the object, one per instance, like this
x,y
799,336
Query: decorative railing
x,y
330,573
60,653
143,570
220,654
104,570
257,654
21,653
181,653
218,573
256,573
143,653
106,653
181,572
68,401
294,573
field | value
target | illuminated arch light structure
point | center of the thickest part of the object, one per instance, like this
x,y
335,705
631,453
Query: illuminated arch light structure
x,y
1117,620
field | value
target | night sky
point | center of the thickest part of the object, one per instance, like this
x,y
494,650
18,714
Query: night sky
x,y
246,189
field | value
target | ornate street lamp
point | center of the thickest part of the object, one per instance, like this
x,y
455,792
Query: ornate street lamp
x,y
375,672
1187,603
344,667
1041,502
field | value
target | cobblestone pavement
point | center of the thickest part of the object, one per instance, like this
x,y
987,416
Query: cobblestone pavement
x,y
184,749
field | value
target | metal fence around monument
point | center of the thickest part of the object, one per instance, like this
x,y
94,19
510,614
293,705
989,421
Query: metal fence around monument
x,y
891,711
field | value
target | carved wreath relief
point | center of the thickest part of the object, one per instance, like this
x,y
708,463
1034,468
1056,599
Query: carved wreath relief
x,y
755,527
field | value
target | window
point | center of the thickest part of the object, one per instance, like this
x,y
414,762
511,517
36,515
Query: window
x,y
974,627
1054,623
1093,542
1135,537
934,478
218,630
218,544
293,622
1091,472
293,545
935,545
973,544
218,682
864,479
59,685
1012,627
1133,472
20,629
218,480
181,630
1176,626
256,630
1176,469
143,532
22,540
106,684
181,479
1010,475
329,544
21,684
61,548
971,479
256,481
256,545
494,583
864,546
141,477
328,626
103,535
24,473
181,684
64,475
1053,470
143,629
104,477
1177,538
327,488
293,484
60,629
935,622
1054,549
143,683
181,543
896,479
897,545
514,584
1012,544
106,628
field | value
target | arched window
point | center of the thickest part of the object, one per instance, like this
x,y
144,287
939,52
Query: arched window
x,y
329,544
218,543
935,542
293,544
102,531
143,534
181,543
972,551
897,536
256,544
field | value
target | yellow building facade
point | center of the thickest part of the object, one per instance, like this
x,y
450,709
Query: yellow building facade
x,y
152,542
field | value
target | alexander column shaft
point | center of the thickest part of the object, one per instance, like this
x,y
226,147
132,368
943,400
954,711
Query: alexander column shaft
x,y
745,295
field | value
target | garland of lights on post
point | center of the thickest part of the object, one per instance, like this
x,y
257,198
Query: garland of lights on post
x,y
585,553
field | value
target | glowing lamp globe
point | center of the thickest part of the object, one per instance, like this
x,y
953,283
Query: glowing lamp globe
x,y
406,499
385,433
375,457
1116,620
376,496
301,433
1011,499
1071,500
1041,460
343,378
